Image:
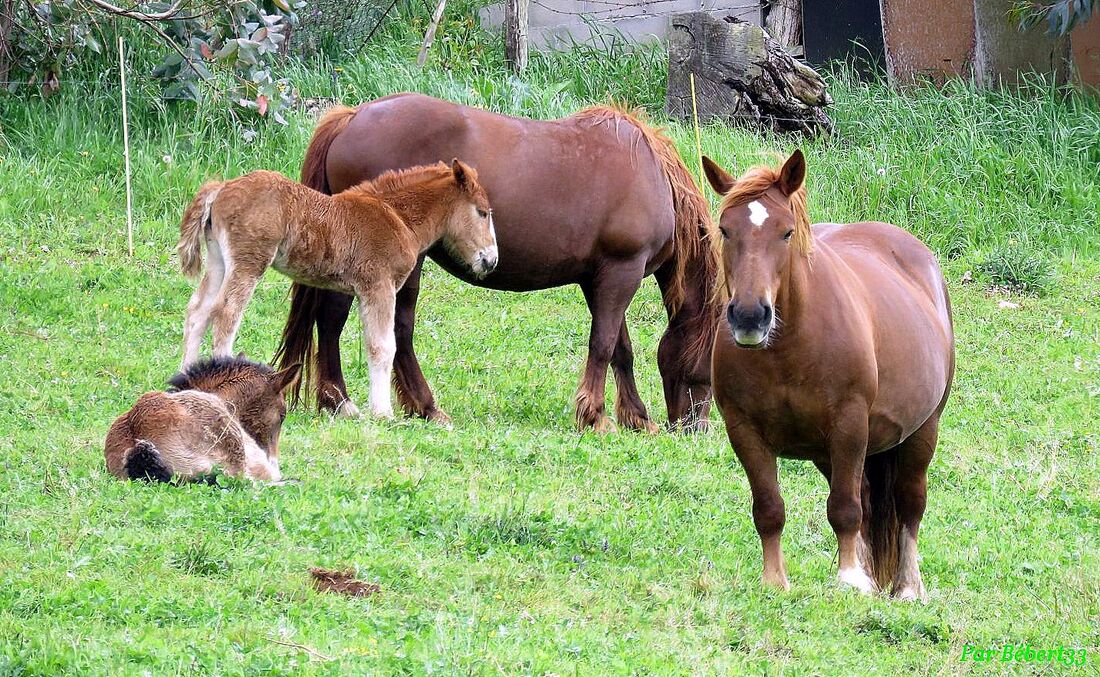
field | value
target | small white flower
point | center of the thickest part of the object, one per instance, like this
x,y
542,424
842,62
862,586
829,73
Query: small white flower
x,y
167,159
882,171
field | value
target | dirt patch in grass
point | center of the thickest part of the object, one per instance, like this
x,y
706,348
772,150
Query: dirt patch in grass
x,y
341,582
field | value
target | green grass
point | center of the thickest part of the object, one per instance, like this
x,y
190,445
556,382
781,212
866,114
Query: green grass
x,y
512,543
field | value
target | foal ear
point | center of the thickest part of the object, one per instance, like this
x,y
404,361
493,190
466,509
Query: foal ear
x,y
282,380
462,173
720,180
793,173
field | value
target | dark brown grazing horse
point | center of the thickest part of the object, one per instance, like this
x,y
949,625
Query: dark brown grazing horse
x,y
837,348
598,199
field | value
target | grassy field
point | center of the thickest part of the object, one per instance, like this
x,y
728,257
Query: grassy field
x,y
512,543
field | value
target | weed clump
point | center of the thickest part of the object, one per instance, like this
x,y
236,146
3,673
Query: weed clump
x,y
1017,269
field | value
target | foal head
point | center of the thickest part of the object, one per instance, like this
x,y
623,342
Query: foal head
x,y
469,234
254,392
764,226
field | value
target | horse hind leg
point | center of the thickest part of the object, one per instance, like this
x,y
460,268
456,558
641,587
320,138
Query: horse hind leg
x,y
910,495
630,411
239,284
201,303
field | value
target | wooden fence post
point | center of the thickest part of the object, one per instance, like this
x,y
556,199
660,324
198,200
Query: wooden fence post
x,y
515,34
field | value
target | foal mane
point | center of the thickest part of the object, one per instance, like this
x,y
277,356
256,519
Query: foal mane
x,y
215,372
753,184
403,179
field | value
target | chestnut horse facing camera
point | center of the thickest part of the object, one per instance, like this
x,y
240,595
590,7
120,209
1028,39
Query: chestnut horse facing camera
x,y
364,241
224,412
836,348
597,199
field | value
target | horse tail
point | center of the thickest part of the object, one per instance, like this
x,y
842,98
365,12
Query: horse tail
x,y
193,226
297,344
881,527
144,462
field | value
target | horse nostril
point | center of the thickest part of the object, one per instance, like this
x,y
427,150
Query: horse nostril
x,y
767,315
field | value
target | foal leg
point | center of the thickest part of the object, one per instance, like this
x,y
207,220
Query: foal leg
x,y
240,283
768,511
607,295
201,303
910,492
376,309
847,447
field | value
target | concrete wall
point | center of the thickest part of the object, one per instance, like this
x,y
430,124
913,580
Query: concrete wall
x,y
928,38
1002,52
1085,41
554,23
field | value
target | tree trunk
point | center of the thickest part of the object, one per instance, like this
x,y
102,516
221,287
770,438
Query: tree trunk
x,y
784,23
515,34
741,76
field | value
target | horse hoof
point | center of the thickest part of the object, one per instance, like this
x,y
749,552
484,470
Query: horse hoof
x,y
858,579
604,426
439,416
776,581
650,427
347,409
911,593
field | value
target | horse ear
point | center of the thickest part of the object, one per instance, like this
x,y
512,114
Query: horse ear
x,y
462,173
793,173
720,180
282,380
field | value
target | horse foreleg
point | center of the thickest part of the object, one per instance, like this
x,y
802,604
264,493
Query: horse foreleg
x,y
630,411
201,303
332,392
608,296
376,310
768,511
847,447
240,282
413,391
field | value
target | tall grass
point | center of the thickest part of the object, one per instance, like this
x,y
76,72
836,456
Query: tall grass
x,y
964,168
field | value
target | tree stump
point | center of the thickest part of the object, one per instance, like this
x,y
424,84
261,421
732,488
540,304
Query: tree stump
x,y
742,76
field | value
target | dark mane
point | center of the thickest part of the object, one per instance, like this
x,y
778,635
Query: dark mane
x,y
210,373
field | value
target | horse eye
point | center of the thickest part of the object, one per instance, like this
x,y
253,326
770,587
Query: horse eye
x,y
482,213
787,237
725,235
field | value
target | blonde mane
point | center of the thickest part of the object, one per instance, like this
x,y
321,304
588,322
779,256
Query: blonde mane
x,y
753,184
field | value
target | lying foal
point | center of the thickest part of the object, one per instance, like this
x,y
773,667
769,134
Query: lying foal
x,y
224,412
364,241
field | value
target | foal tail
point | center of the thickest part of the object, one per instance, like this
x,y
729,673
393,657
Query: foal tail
x,y
143,462
881,527
297,344
195,221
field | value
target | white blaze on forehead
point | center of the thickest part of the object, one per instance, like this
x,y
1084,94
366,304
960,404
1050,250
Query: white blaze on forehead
x,y
758,213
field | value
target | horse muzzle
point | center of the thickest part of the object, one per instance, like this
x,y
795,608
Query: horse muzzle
x,y
751,326
486,261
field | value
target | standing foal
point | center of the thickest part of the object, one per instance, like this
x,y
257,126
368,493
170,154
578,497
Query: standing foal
x,y
364,241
